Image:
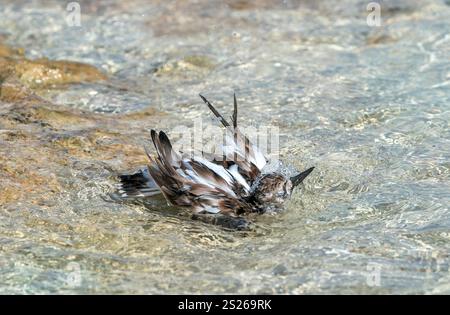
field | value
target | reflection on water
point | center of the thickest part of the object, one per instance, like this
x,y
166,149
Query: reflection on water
x,y
368,106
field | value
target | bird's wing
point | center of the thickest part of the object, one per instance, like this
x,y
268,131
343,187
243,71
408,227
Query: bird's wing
x,y
194,182
238,150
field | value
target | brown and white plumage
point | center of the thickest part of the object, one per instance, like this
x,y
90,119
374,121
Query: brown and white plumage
x,y
232,184
238,150
196,182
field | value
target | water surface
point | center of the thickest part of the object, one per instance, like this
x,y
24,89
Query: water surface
x,y
368,106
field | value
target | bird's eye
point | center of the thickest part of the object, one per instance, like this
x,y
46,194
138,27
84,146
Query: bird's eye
x,y
288,187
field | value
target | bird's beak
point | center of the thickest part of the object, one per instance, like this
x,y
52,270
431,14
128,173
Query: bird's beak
x,y
297,179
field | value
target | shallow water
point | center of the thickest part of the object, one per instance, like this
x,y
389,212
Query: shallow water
x,y
368,106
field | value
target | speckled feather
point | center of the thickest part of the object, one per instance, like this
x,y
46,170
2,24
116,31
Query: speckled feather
x,y
231,184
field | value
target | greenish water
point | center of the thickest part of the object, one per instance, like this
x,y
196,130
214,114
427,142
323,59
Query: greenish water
x,y
368,106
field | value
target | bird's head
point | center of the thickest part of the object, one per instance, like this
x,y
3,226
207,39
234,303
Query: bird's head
x,y
273,189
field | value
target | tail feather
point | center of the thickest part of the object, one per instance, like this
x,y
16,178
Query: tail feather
x,y
234,117
137,185
215,112
240,144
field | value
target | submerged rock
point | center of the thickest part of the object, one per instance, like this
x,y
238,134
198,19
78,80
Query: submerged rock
x,y
43,144
11,90
19,74
194,65
44,73
6,51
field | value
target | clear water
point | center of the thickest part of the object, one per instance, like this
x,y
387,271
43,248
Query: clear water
x,y
368,106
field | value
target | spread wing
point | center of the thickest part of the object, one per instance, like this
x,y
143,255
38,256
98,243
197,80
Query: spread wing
x,y
238,152
196,182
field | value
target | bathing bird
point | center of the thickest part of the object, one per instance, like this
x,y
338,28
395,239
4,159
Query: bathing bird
x,y
221,189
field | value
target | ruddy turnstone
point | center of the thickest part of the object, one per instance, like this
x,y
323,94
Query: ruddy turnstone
x,y
216,189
